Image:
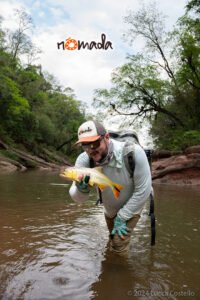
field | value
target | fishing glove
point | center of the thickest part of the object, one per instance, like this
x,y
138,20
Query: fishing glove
x,y
120,227
83,184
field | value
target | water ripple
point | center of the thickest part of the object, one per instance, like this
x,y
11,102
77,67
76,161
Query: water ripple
x,y
53,248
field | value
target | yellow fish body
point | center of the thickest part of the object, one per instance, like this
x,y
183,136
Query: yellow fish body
x,y
96,178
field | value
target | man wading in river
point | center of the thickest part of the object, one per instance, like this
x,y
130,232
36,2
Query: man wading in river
x,y
121,214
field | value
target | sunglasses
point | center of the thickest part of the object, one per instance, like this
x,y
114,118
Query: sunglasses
x,y
91,146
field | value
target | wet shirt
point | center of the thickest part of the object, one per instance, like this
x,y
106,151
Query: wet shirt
x,y
135,190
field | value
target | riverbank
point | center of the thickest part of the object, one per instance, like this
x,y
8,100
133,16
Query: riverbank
x,y
14,159
181,168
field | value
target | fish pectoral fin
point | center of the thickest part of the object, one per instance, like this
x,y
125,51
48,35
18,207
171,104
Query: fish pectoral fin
x,y
116,190
99,169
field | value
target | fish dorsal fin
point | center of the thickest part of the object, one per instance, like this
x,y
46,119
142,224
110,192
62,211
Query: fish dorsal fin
x,y
99,169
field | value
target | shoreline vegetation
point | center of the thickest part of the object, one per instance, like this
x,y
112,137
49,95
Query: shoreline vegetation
x,y
168,167
39,117
14,159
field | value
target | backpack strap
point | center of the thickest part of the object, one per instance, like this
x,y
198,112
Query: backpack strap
x,y
129,160
153,220
130,163
129,157
151,208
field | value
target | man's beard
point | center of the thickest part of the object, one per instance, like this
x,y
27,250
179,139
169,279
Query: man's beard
x,y
107,155
103,157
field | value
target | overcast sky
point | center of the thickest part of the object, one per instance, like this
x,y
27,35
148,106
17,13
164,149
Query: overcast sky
x,y
83,20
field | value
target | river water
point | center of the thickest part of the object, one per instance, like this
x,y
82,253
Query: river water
x,y
53,248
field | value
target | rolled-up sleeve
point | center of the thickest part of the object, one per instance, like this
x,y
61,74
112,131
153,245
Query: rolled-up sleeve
x,y
82,162
142,186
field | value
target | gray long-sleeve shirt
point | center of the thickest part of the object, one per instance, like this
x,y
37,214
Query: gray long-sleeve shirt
x,y
135,190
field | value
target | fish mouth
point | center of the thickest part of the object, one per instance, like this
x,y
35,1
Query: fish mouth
x,y
65,176
62,174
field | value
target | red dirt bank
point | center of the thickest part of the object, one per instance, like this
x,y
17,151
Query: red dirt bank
x,y
182,169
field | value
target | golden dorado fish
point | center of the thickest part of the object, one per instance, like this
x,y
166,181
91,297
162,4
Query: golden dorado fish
x,y
96,178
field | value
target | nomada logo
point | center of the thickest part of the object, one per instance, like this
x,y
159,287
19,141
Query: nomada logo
x,y
72,44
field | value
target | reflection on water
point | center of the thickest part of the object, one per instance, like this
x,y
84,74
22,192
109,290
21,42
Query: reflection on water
x,y
53,248
169,270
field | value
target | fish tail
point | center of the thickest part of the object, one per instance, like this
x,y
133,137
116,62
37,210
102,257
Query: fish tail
x,y
116,190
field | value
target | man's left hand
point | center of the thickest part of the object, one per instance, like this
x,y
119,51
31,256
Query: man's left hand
x,y
120,227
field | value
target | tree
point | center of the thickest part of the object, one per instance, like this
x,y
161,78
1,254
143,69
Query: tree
x,y
144,90
148,24
35,109
162,84
193,5
138,91
19,41
2,36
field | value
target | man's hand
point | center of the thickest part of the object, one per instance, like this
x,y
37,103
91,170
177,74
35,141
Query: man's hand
x,y
83,184
120,227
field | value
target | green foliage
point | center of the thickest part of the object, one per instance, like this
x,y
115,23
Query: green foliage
x,y
193,5
34,110
180,140
14,108
160,84
190,138
45,129
8,154
16,103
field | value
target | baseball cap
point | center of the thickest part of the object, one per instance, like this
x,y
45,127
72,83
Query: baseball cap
x,y
90,131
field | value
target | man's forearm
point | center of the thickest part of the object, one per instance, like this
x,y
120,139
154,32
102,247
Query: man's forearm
x,y
142,186
134,205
